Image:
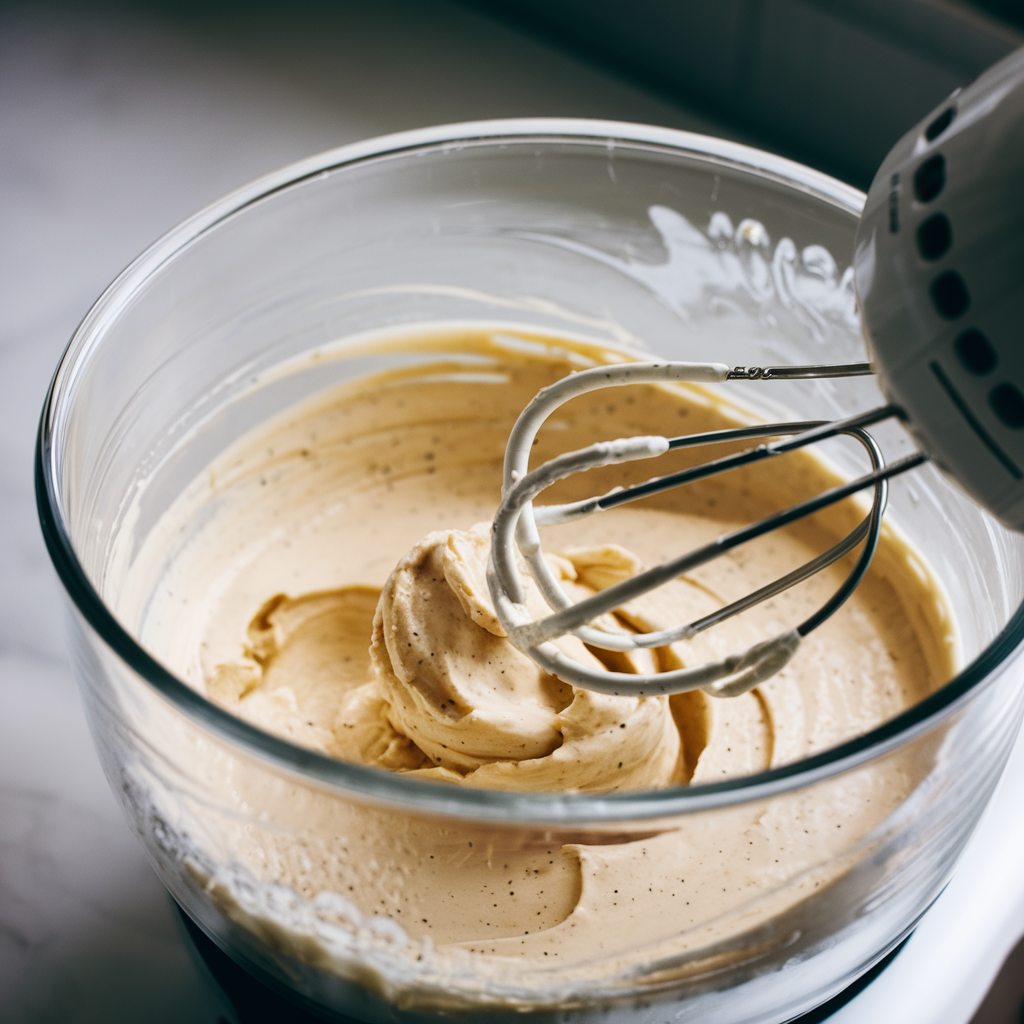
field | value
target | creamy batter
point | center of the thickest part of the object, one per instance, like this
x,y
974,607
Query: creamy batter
x,y
324,581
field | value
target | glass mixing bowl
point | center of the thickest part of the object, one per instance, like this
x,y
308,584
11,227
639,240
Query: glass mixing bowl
x,y
696,248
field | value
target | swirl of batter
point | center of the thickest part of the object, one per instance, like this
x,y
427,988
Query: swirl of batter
x,y
479,710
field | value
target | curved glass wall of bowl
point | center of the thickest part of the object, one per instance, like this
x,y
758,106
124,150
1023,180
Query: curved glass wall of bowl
x,y
301,281
720,268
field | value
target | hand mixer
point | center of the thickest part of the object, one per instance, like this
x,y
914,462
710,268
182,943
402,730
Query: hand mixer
x,y
939,271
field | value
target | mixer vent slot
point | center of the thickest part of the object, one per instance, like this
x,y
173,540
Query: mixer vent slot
x,y
983,435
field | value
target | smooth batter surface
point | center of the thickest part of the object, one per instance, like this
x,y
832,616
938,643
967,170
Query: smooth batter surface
x,y
281,599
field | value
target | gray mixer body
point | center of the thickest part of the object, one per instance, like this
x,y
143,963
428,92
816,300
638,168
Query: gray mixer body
x,y
940,277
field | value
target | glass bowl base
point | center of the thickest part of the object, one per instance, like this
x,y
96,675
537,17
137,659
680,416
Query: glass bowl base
x,y
258,1001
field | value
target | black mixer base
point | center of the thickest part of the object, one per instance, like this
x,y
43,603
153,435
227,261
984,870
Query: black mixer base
x,y
256,1003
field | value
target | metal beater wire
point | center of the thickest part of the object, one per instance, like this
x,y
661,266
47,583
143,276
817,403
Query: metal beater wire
x,y
516,525
570,617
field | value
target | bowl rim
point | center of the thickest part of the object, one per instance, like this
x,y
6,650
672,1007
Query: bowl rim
x,y
377,785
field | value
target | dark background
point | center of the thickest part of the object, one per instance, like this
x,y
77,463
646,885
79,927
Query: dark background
x,y
832,83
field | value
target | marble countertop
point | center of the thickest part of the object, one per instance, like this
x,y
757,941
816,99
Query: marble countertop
x,y
113,130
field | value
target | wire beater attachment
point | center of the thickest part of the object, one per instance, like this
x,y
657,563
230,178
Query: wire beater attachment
x,y
516,523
